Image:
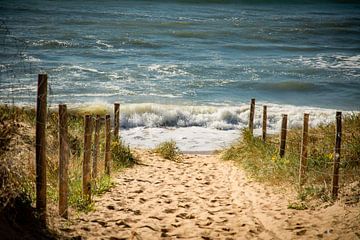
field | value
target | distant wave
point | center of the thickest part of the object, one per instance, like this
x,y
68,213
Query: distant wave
x,y
191,34
80,21
170,70
288,86
179,24
333,61
262,47
104,44
134,42
53,44
77,68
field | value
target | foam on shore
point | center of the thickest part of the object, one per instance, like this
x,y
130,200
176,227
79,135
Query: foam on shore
x,y
207,128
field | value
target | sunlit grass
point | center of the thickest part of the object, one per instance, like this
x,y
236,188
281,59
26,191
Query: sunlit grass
x,y
262,162
19,177
169,150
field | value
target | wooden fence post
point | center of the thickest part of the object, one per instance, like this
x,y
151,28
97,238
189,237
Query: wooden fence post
x,y
335,180
107,144
63,161
264,124
86,160
96,147
116,120
304,153
251,116
283,135
41,116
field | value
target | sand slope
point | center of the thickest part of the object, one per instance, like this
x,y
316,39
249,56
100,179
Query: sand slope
x,y
203,198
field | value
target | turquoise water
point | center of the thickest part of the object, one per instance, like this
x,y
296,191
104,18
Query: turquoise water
x,y
184,52
185,70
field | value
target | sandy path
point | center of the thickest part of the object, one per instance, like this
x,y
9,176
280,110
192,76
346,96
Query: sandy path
x,y
203,198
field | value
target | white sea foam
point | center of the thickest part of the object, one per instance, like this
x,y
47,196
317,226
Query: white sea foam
x,y
3,67
88,95
207,128
85,69
78,69
52,43
170,70
332,62
215,117
31,59
104,44
190,139
16,88
160,95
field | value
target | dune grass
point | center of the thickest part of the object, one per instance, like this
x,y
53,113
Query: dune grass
x,y
262,162
121,155
17,157
169,150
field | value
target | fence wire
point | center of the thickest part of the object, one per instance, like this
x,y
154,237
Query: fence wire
x,y
321,150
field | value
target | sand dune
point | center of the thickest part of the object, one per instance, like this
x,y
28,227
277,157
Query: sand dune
x,y
203,198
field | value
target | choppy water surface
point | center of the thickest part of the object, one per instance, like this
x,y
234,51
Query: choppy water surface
x,y
183,53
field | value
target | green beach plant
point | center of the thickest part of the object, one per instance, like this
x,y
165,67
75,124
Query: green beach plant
x,y
262,162
121,155
169,150
17,163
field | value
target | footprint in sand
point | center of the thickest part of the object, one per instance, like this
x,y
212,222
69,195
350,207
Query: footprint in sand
x,y
203,199
142,200
170,210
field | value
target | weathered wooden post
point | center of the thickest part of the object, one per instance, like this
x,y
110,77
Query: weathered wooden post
x,y
264,124
116,120
107,144
41,116
251,116
63,161
335,180
86,160
96,146
283,135
304,152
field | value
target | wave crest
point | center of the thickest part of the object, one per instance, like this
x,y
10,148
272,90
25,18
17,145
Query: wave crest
x,y
53,44
221,118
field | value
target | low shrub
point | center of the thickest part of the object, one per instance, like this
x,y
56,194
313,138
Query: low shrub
x,y
169,150
121,154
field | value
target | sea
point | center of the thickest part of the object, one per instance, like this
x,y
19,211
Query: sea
x,y
185,70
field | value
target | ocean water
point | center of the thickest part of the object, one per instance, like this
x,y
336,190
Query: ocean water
x,y
185,70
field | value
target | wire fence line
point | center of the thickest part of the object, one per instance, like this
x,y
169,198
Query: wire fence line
x,y
326,148
59,127
47,122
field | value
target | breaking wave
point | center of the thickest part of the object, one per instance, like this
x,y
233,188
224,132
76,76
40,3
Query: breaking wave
x,y
221,118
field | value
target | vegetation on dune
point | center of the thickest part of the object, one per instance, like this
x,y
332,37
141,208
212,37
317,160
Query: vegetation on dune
x,y
262,162
17,157
122,155
169,150
15,178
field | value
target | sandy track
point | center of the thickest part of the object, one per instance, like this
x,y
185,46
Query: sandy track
x,y
203,198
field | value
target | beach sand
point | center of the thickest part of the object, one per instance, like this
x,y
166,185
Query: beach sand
x,y
203,197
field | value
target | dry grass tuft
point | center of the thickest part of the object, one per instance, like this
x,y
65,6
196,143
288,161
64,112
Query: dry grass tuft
x,y
169,150
122,155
